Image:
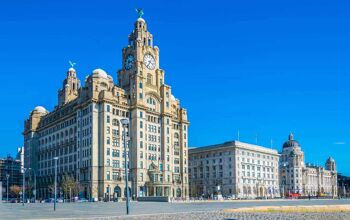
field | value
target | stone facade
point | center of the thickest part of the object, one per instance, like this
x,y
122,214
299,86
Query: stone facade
x,y
85,132
305,179
234,169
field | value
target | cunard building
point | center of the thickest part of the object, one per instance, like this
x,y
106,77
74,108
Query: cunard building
x,y
234,169
85,133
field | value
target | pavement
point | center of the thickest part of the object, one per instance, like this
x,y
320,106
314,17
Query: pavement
x,y
152,210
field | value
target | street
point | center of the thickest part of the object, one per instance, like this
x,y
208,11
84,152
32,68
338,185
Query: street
x,y
111,209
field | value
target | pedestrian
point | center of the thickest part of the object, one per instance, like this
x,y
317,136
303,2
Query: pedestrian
x,y
309,196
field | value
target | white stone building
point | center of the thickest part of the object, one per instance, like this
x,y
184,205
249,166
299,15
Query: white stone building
x,y
299,178
234,169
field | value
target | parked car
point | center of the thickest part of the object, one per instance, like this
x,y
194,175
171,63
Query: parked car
x,y
230,197
82,200
13,200
93,200
218,197
49,200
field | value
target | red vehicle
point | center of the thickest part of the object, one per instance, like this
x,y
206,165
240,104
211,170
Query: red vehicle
x,y
294,195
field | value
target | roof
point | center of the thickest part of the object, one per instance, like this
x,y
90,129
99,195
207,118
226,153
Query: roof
x,y
233,144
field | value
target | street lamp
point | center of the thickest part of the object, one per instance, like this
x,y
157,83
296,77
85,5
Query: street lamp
x,y
23,185
284,165
7,187
125,123
54,205
34,186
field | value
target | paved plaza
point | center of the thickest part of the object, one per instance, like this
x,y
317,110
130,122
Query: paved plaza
x,y
154,210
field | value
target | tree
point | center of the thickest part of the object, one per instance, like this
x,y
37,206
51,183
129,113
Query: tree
x,y
69,186
51,189
15,190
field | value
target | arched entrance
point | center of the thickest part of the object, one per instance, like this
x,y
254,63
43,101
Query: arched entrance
x,y
178,192
261,193
117,192
85,192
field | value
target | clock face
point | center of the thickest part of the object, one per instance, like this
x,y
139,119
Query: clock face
x,y
149,61
129,61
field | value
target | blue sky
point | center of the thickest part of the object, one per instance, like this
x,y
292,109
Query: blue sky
x,y
262,67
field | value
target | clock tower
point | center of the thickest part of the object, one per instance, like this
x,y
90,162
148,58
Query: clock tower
x,y
140,60
158,125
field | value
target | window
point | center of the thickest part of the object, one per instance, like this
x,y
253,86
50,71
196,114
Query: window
x,y
108,119
140,85
108,108
114,164
149,78
108,151
108,175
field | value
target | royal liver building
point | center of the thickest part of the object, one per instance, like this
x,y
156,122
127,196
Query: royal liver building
x,y
85,133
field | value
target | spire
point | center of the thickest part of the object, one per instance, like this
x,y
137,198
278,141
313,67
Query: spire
x,y
291,136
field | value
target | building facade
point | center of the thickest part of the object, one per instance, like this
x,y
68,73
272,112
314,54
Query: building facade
x,y
305,179
13,169
234,169
85,133
343,185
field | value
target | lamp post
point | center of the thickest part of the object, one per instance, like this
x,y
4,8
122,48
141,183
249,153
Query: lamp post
x,y
284,165
23,185
54,204
34,186
7,187
125,122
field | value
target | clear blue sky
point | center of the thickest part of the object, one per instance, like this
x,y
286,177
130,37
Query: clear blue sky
x,y
262,67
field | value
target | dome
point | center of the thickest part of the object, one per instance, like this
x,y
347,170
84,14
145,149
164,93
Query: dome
x,y
330,159
141,19
110,77
71,69
173,98
291,142
100,73
40,109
